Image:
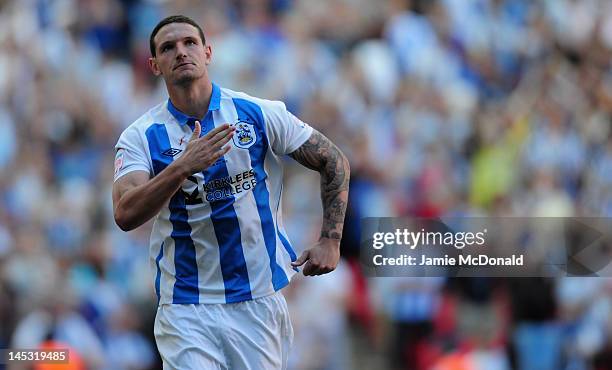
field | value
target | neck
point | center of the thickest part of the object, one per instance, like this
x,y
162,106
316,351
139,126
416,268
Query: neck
x,y
192,99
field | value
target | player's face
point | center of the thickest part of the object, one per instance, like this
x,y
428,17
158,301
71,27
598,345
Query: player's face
x,y
181,57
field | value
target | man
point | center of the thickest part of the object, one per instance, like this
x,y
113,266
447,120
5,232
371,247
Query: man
x,y
207,163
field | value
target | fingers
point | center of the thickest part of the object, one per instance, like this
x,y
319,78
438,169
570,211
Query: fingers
x,y
222,142
312,269
218,136
225,150
196,131
217,130
222,138
219,153
219,147
303,258
308,269
311,265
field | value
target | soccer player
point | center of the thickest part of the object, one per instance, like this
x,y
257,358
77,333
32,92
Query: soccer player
x,y
207,164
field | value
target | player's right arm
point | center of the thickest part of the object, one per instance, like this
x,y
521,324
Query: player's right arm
x,y
137,198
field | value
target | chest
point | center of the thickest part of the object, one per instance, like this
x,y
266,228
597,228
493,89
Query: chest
x,y
233,175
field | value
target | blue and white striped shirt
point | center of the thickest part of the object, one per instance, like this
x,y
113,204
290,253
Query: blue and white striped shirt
x,y
221,237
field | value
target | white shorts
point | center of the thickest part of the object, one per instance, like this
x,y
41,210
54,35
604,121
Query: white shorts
x,y
247,335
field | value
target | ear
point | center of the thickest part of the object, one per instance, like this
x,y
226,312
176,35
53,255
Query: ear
x,y
154,67
208,53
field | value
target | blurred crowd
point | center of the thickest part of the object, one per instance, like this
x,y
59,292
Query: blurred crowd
x,y
444,107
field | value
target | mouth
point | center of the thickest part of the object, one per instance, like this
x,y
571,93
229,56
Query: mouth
x,y
183,65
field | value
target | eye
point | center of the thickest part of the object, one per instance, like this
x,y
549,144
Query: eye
x,y
190,42
166,48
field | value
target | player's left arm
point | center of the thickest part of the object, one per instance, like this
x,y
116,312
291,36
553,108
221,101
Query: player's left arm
x,y
319,154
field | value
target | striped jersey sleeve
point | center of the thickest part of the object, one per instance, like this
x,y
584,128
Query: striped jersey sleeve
x,y
130,154
286,132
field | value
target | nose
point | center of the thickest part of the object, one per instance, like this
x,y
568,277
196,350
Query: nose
x,y
181,51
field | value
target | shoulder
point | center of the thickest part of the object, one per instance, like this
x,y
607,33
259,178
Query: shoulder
x,y
242,99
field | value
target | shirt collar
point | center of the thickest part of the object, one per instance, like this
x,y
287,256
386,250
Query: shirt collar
x,y
215,104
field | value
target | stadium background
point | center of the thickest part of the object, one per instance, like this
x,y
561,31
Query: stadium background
x,y
462,107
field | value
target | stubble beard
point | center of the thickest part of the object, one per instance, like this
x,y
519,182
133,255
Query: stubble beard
x,y
185,80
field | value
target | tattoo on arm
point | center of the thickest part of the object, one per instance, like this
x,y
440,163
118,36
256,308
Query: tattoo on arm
x,y
319,154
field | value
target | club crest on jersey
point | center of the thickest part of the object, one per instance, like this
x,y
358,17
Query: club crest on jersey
x,y
244,137
118,161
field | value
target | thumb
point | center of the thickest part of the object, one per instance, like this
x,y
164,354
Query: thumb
x,y
303,258
196,130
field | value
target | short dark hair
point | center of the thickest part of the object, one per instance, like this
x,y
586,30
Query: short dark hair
x,y
173,19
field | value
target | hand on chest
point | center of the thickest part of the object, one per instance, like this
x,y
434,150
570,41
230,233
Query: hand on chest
x,y
234,174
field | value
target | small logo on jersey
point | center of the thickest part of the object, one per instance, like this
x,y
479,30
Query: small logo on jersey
x,y
118,161
182,140
244,137
171,152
